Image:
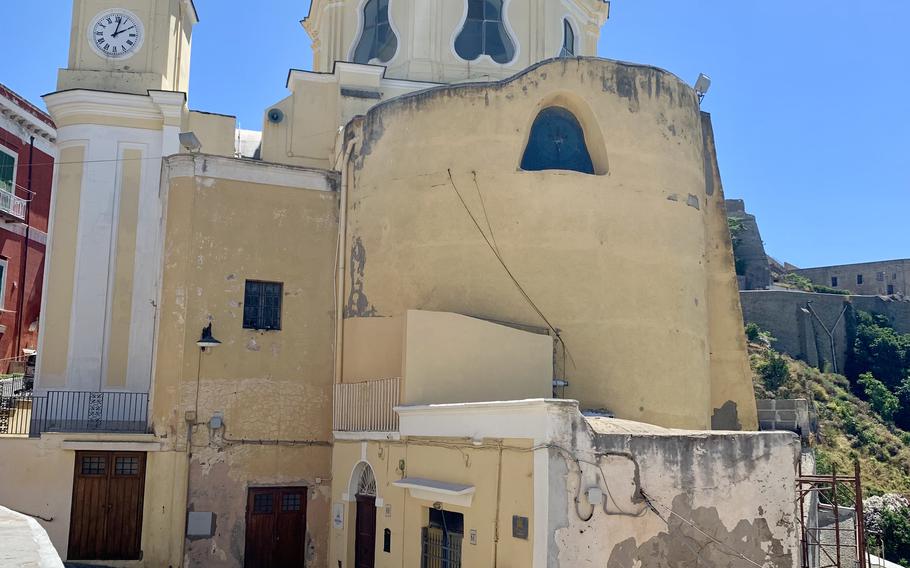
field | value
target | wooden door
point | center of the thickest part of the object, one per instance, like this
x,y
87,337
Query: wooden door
x,y
106,520
276,527
365,538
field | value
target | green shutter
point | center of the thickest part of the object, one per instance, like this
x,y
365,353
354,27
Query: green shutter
x,y
7,167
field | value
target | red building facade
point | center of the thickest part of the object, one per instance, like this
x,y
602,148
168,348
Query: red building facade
x,y
27,155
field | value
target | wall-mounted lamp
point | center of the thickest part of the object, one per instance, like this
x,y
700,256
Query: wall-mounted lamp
x,y
190,141
207,339
701,86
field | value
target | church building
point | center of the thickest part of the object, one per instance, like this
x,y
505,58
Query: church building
x,y
404,326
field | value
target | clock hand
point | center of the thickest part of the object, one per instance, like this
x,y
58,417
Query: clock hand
x,y
122,31
118,27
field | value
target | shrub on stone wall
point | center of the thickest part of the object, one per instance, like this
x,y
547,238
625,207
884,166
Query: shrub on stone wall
x,y
773,370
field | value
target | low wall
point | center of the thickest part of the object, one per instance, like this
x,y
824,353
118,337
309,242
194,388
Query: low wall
x,y
36,479
673,497
817,328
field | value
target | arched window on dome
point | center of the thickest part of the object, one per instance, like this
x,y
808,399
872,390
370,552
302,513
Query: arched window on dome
x,y
557,142
568,40
484,32
377,40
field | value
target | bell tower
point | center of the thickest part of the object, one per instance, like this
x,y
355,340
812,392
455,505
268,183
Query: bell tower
x,y
119,109
130,46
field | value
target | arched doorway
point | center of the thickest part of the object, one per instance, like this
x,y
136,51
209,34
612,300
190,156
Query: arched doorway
x,y
364,492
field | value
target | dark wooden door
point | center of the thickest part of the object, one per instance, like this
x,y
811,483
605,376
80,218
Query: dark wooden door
x,y
276,527
365,539
106,520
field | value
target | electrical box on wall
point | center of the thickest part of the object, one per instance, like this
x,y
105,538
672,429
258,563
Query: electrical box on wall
x,y
200,524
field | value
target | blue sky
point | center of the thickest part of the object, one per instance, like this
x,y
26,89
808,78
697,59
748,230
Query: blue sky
x,y
810,98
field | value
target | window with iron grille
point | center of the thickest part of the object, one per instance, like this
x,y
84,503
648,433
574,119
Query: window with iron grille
x,y
262,305
441,540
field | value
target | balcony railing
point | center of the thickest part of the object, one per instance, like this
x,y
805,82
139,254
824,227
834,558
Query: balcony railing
x,y
12,207
367,407
15,406
26,414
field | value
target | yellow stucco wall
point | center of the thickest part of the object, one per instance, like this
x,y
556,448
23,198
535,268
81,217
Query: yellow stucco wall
x,y
455,358
273,389
62,265
445,357
216,132
405,516
124,261
617,262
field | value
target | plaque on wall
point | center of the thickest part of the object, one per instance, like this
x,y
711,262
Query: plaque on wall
x,y
520,527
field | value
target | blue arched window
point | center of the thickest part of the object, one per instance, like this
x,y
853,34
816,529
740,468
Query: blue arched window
x,y
378,40
484,32
568,40
557,142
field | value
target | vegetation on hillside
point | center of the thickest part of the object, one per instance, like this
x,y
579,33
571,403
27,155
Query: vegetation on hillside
x,y
863,416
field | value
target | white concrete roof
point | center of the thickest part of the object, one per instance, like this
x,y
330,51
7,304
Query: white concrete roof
x,y
25,542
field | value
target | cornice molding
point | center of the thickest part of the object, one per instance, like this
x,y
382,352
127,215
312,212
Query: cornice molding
x,y
156,105
250,171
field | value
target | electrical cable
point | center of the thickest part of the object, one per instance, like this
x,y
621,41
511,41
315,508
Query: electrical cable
x,y
506,268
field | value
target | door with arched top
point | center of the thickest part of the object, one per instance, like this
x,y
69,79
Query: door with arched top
x,y
365,521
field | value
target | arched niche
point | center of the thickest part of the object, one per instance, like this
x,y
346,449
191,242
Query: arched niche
x,y
564,105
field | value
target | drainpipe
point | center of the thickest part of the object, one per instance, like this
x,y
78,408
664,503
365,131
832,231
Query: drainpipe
x,y
339,261
830,332
23,265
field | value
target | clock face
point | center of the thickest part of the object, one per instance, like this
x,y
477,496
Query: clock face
x,y
116,34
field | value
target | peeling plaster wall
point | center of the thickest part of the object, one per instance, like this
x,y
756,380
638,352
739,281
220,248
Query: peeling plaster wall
x,y
273,388
627,265
738,488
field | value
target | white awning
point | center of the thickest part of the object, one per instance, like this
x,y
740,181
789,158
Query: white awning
x,y
432,490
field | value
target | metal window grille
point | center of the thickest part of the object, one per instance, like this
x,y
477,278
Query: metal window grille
x,y
262,305
440,549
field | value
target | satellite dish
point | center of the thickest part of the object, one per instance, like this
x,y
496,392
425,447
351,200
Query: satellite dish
x,y
276,115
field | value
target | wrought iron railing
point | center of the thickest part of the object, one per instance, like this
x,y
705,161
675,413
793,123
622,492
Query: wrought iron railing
x,y
90,411
367,406
15,406
440,549
12,205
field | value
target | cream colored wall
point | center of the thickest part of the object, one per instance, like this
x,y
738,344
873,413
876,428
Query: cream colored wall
x,y
319,107
732,401
445,357
228,221
426,31
373,349
37,479
161,63
616,262
216,132
454,461
455,358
